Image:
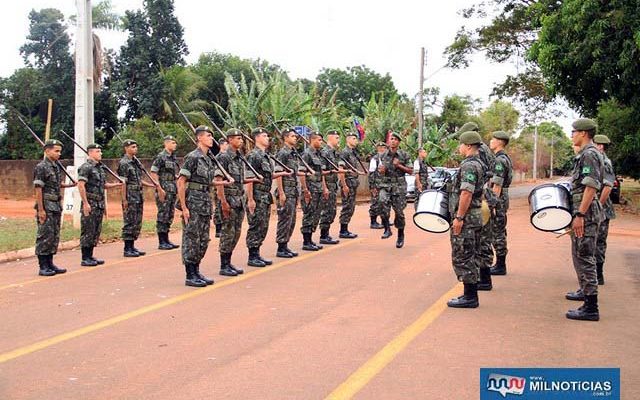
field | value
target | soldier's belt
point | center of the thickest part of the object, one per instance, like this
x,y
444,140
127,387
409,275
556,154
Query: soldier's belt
x,y
289,183
314,178
133,187
95,196
50,197
261,187
168,177
233,191
198,186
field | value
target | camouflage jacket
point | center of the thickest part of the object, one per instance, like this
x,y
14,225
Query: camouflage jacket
x,y
312,157
470,177
609,178
92,173
393,177
166,166
48,176
503,171
588,166
130,171
232,162
351,156
331,154
199,170
262,164
288,157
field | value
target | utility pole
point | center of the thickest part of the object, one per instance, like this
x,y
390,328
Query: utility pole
x,y
421,98
551,162
535,152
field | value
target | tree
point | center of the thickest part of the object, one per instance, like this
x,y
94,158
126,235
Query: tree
x,y
456,111
551,138
499,116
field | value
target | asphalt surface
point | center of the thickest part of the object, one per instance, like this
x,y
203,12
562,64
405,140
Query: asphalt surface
x,y
361,319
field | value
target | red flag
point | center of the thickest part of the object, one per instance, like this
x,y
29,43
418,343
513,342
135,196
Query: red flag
x,y
359,128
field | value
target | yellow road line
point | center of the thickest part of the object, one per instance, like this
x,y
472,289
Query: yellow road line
x,y
22,351
375,364
85,269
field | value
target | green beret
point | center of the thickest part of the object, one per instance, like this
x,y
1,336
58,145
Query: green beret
x,y
52,142
354,134
94,146
502,135
129,142
584,124
234,132
259,130
203,128
381,144
169,137
333,132
470,137
396,135
601,139
469,127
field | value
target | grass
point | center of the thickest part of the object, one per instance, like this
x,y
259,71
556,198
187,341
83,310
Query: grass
x,y
20,233
630,191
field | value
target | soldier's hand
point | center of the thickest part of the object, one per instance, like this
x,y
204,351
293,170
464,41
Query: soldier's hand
x,y
578,227
42,216
125,205
226,210
307,196
457,226
185,215
382,169
162,195
345,190
86,209
282,199
396,162
325,194
251,204
419,188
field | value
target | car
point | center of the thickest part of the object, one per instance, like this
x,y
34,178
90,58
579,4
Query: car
x,y
411,187
438,177
615,191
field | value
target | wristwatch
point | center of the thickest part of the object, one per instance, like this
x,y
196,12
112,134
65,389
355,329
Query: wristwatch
x,y
579,214
460,218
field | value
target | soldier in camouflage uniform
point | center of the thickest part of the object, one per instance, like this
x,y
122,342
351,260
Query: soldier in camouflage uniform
x,y
92,182
608,213
351,183
231,201
374,179
194,200
465,201
47,181
313,187
217,214
421,172
501,181
130,171
393,186
588,166
330,195
164,170
259,197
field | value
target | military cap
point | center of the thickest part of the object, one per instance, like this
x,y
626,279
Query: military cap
x,y
52,142
333,132
352,133
502,135
396,135
601,139
203,128
128,142
259,130
234,132
470,137
315,133
94,146
469,127
381,144
584,124
169,137
288,130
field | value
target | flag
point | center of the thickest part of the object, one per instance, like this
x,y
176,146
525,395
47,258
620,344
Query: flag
x,y
359,128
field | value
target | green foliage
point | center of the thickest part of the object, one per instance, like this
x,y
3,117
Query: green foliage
x,y
622,125
383,113
440,144
549,133
499,116
456,111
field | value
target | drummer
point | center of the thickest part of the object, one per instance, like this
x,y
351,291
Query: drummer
x,y
421,172
465,201
588,166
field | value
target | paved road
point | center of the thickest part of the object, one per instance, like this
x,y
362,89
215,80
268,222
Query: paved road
x,y
360,319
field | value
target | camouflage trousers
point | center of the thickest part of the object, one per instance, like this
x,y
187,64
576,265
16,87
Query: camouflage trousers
x,y
231,229
500,224
286,218
91,226
132,221
195,238
311,212
583,253
374,208
166,211
348,202
464,251
48,235
395,198
329,207
485,256
258,224
601,246
217,213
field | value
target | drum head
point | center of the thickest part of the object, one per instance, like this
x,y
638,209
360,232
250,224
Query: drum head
x,y
430,222
551,219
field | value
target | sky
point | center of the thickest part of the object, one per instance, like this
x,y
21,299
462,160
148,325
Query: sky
x,y
305,36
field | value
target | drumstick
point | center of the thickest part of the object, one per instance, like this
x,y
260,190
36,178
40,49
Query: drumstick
x,y
564,233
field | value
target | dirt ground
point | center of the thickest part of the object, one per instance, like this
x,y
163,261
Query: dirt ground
x,y
361,319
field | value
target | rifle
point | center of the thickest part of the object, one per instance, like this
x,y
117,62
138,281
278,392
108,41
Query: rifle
x,y
58,163
155,183
87,153
295,152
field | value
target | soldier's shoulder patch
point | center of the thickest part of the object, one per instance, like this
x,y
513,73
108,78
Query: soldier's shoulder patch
x,y
586,169
471,176
499,167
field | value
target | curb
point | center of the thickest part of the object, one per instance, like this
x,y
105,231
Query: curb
x,y
31,251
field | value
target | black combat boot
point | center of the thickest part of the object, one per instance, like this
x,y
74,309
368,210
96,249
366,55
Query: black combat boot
x,y
468,300
87,261
140,252
485,282
375,224
97,260
128,249
166,239
600,272
192,278
307,244
203,278
387,228
282,251
293,253
588,312
237,270
45,270
218,230
400,240
325,238
54,267
163,243
225,265
264,260
578,295
344,232
501,266
254,258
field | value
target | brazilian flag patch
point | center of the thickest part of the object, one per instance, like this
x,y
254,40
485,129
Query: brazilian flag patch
x,y
586,169
471,177
499,167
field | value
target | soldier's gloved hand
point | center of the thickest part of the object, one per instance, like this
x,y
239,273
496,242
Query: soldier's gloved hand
x,y
457,226
86,209
186,215
578,226
251,204
226,209
42,216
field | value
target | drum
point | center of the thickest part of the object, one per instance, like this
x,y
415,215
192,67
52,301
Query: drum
x,y
550,207
432,211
